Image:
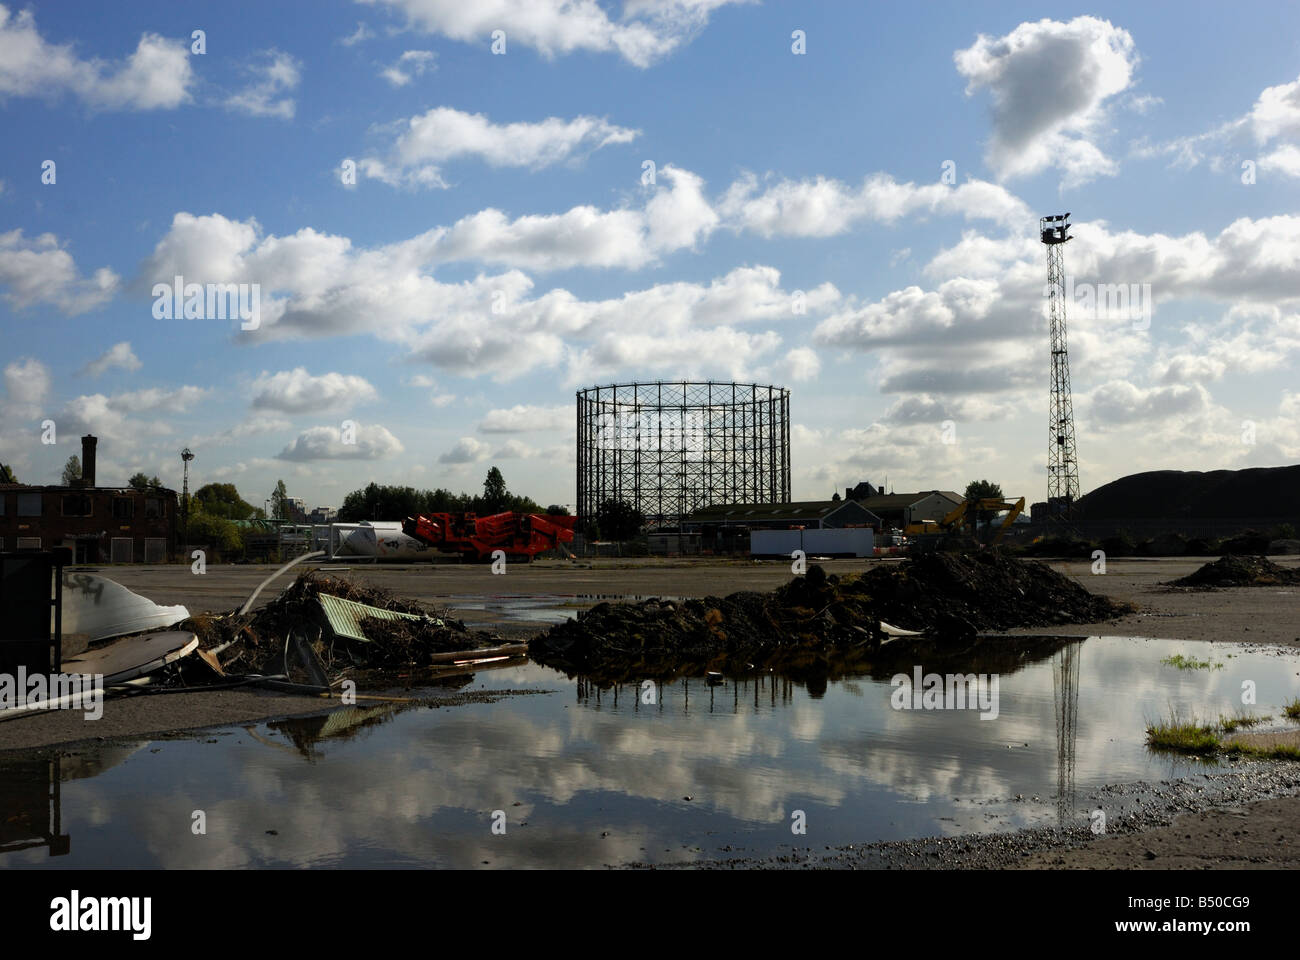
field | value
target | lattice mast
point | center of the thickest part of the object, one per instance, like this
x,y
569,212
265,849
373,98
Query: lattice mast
x,y
1062,457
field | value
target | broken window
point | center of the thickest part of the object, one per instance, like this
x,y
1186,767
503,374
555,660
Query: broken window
x,y
153,508
76,505
29,504
123,508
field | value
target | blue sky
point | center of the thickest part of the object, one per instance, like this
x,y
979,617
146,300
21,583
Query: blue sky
x,y
519,176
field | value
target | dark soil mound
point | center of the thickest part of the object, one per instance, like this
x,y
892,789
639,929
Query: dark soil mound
x,y
951,597
1237,571
259,637
1190,494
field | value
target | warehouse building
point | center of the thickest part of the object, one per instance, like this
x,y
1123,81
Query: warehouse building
x,y
725,528
98,524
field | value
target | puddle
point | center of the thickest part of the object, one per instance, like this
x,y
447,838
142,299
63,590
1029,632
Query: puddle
x,y
587,776
535,608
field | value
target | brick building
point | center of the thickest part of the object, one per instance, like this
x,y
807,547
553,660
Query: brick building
x,y
98,524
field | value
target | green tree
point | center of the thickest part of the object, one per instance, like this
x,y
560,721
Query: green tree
x,y
141,482
619,520
983,490
557,510
215,533
223,500
280,501
71,470
7,474
495,495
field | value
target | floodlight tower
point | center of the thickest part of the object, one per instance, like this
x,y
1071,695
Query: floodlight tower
x,y
186,457
1062,460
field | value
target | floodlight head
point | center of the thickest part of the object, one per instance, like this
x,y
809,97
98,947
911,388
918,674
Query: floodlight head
x,y
186,455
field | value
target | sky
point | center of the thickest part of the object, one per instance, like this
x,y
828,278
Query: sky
x,y
447,217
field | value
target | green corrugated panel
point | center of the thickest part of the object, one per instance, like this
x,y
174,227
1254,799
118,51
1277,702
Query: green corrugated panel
x,y
345,615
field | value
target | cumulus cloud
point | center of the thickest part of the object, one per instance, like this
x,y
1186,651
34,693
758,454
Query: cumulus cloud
x,y
39,270
824,207
27,385
1050,82
411,64
273,74
648,30
370,442
156,76
803,363
466,450
297,391
527,418
119,356
1119,402
430,139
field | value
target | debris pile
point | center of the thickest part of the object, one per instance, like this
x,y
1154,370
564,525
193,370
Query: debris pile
x,y
1240,571
257,642
951,597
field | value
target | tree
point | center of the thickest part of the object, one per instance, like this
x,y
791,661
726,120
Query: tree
x,y
140,482
983,490
495,495
216,533
7,474
557,510
71,470
619,520
280,501
223,500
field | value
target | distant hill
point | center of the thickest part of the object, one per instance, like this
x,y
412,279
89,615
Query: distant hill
x,y
1190,494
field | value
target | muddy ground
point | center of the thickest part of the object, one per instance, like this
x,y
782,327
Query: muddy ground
x,y
1227,824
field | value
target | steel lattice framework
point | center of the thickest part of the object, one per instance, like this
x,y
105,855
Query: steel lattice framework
x,y
1062,458
669,448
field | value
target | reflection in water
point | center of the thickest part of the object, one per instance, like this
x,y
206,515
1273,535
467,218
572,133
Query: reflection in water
x,y
602,773
1065,678
32,807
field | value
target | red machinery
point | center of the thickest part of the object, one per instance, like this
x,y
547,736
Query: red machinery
x,y
475,537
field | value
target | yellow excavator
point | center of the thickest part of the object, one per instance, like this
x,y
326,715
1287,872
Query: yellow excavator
x,y
966,513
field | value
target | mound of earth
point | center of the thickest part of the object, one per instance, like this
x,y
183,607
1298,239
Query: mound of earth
x,y
1191,494
257,639
951,597
1239,571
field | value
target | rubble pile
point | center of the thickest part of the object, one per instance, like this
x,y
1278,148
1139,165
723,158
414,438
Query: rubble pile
x,y
1240,571
950,597
257,640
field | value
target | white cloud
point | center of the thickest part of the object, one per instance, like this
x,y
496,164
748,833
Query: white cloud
x,y
176,400
254,425
803,363
119,355
444,133
647,31
297,391
27,385
1284,160
1050,82
361,33
411,64
466,450
1276,113
277,74
40,271
526,418
514,449
372,442
1118,402
822,207
157,75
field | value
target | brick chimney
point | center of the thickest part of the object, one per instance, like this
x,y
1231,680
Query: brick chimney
x,y
88,443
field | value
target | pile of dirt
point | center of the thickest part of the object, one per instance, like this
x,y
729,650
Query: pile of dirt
x,y
1240,571
258,639
951,597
